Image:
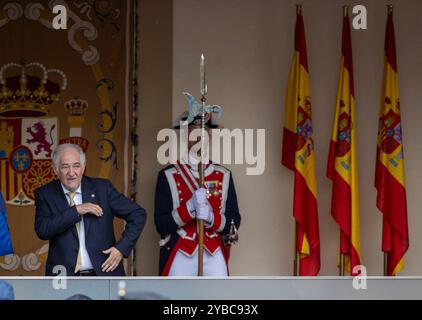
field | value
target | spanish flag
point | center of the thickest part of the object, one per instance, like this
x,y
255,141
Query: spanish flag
x,y
298,155
342,161
389,174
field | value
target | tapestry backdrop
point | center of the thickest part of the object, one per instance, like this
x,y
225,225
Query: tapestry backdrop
x,y
73,85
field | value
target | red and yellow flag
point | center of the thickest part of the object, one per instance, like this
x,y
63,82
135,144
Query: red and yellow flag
x,y
342,161
298,155
389,174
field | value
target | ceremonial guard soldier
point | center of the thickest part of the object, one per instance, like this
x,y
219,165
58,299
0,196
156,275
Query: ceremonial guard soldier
x,y
180,202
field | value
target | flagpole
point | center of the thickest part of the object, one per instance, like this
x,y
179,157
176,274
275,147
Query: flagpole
x,y
345,11
390,8
200,222
341,267
297,251
298,9
385,264
297,256
341,271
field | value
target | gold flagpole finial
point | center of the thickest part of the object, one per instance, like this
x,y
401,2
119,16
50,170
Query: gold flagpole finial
x,y
390,8
298,8
345,11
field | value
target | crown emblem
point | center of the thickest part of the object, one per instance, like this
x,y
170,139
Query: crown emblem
x,y
76,107
76,110
29,89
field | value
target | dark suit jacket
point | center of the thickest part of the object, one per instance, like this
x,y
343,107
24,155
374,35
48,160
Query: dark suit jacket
x,y
55,221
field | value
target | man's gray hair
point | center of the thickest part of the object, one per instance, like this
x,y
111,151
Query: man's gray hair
x,y
61,147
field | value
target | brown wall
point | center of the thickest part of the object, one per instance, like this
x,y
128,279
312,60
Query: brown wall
x,y
248,46
155,90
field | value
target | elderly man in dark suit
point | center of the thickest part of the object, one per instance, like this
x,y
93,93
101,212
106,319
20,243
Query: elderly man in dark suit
x,y
75,213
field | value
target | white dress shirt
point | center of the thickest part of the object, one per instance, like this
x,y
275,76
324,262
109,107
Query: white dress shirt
x,y
86,263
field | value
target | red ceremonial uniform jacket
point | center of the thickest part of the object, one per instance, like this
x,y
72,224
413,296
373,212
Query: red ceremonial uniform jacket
x,y
178,226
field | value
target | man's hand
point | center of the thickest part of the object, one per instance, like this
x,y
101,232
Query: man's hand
x,y
89,208
113,260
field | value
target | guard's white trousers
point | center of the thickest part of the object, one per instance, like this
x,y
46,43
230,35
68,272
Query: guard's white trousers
x,y
214,265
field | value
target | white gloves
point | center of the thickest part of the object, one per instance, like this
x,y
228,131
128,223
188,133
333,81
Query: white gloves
x,y
199,198
200,206
204,213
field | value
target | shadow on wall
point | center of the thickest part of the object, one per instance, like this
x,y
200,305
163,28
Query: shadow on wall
x,y
125,296
143,296
79,297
